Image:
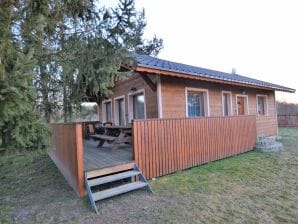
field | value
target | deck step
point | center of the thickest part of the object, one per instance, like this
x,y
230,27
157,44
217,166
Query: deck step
x,y
109,170
109,175
118,190
111,178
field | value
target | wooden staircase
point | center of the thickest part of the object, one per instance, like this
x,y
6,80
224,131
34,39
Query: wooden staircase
x,y
109,176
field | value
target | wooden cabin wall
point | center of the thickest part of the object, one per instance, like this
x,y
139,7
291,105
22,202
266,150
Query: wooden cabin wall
x,y
124,88
174,101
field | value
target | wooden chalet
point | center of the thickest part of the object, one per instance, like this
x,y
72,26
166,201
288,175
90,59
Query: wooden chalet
x,y
181,116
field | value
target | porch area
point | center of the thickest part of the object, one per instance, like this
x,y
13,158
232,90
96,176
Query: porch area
x,y
103,157
158,147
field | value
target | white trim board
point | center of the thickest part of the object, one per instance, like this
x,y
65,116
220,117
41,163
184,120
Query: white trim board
x,y
130,104
231,103
159,97
206,104
246,107
266,109
116,110
104,118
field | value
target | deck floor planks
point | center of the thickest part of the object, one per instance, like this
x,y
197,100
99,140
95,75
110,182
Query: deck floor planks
x,y
104,156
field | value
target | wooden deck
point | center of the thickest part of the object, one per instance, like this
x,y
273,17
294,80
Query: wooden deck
x,y
97,158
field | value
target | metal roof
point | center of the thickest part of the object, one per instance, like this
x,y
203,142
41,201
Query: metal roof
x,y
160,64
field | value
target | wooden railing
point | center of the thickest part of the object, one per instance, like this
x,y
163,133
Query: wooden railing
x,y
287,120
68,154
163,146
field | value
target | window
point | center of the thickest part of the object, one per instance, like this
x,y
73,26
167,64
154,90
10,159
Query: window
x,y
242,104
197,102
107,111
226,103
137,105
261,105
120,111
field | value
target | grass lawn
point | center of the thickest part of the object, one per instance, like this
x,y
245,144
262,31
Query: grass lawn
x,y
250,188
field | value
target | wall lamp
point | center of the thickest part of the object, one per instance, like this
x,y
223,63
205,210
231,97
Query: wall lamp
x,y
133,89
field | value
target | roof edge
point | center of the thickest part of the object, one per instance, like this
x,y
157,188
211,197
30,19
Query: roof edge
x,y
171,72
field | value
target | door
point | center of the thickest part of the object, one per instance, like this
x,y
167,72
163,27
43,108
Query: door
x,y
240,105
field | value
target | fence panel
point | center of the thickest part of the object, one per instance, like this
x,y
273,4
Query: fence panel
x,y
68,154
287,120
163,146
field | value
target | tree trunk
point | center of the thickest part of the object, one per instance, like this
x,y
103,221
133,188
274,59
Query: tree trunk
x,y
44,80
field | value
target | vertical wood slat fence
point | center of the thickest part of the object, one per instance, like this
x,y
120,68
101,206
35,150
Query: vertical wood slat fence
x,y
287,120
163,146
68,154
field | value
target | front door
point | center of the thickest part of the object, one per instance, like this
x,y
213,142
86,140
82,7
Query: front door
x,y
240,105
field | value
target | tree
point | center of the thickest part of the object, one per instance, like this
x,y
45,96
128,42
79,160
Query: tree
x,y
56,53
93,66
19,125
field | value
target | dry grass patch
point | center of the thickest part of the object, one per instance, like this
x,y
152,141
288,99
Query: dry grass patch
x,y
249,188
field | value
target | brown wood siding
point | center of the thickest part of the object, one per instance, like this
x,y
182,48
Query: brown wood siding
x,y
268,124
68,154
124,88
174,105
163,146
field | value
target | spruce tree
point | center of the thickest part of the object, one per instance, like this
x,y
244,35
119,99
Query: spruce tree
x,y
53,54
20,126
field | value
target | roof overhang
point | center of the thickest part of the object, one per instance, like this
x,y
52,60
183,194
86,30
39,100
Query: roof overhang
x,y
150,70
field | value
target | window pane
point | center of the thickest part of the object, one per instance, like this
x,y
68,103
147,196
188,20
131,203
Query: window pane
x,y
225,102
121,112
261,106
108,111
195,104
138,106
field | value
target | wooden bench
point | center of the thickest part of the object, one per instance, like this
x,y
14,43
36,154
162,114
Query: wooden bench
x,y
103,138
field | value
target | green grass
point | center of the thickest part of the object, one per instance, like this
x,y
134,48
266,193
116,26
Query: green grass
x,y
253,187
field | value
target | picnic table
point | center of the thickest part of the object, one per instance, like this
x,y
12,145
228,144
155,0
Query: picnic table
x,y
124,136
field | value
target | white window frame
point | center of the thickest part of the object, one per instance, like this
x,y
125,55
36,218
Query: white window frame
x,y
130,104
206,100
230,109
104,117
116,110
266,104
246,107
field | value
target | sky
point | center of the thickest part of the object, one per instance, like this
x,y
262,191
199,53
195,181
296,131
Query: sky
x,y
258,38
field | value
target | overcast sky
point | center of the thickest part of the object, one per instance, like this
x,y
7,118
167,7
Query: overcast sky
x,y
257,37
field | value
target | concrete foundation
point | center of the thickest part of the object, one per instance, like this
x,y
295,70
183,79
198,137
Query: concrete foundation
x,y
265,144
